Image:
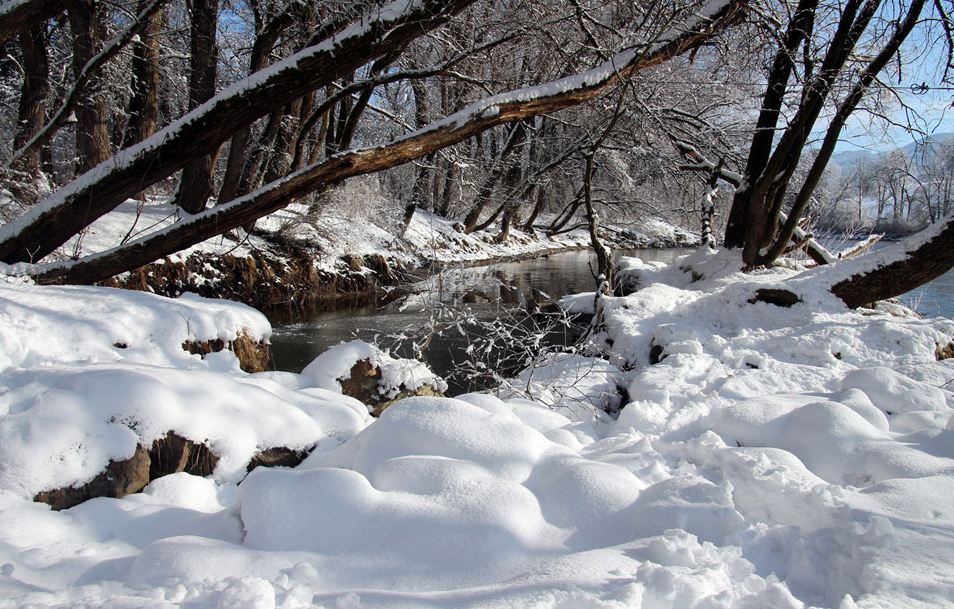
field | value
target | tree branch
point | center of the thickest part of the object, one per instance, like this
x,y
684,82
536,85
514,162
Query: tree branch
x,y
50,224
480,116
92,67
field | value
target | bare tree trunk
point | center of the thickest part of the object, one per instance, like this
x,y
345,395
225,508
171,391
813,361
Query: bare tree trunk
x,y
92,136
195,186
23,179
743,212
450,187
708,205
238,149
144,103
422,172
279,158
17,17
537,208
515,139
754,217
33,96
564,217
604,257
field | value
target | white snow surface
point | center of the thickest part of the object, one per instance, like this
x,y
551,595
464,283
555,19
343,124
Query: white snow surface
x,y
774,458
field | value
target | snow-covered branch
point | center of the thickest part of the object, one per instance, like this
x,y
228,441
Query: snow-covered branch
x,y
476,118
60,216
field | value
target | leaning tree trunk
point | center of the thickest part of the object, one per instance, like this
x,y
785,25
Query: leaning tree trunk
x,y
195,187
917,261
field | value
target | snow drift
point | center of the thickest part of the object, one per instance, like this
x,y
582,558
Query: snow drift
x,y
771,457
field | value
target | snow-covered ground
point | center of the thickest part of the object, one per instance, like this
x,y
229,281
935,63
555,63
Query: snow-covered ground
x,y
774,457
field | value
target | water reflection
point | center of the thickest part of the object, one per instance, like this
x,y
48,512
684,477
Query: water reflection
x,y
437,305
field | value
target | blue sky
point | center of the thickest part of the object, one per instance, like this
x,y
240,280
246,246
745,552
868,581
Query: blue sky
x,y
921,90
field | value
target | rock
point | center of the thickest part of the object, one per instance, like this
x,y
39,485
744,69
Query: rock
x,y
173,454
379,264
169,455
252,354
364,384
777,297
278,457
423,390
121,478
354,262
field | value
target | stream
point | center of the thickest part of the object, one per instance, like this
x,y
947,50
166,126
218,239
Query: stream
x,y
439,308
435,307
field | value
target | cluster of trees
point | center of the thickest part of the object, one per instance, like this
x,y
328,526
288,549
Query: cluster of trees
x,y
896,192
492,112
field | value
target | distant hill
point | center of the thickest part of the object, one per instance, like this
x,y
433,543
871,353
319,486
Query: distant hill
x,y
849,158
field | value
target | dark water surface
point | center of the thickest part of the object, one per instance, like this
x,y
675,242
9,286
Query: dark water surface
x,y
481,292
484,293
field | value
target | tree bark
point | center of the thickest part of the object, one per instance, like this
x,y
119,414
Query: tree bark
x,y
84,82
238,149
144,103
422,172
835,127
92,136
33,96
515,139
760,150
604,257
53,222
537,208
195,186
918,260
23,177
753,219
143,107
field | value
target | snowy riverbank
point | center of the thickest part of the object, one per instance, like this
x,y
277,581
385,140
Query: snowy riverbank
x,y
773,457
298,258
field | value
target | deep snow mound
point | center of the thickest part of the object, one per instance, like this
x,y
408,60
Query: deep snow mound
x,y
764,456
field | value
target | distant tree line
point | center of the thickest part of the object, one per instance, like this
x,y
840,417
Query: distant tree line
x,y
895,192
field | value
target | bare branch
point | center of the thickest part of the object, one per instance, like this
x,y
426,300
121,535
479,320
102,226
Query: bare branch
x,y
477,117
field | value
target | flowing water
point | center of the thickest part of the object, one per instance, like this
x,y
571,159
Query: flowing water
x,y
433,310
431,314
